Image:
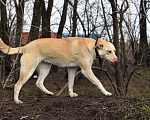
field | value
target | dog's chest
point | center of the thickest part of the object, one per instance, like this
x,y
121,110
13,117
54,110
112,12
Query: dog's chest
x,y
61,63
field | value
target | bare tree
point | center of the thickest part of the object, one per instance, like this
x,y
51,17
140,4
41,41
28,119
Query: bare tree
x,y
20,15
116,43
74,19
36,20
5,62
143,32
82,23
4,24
63,19
46,16
20,12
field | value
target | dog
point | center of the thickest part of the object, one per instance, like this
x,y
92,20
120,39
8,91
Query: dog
x,y
71,52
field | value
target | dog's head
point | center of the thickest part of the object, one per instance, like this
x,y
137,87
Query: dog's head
x,y
106,50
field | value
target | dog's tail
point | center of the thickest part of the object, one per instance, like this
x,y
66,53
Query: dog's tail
x,y
9,50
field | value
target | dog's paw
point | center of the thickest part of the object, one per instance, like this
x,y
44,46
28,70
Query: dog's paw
x,y
50,94
108,94
73,95
18,102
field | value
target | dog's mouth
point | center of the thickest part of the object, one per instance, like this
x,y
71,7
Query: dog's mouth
x,y
114,61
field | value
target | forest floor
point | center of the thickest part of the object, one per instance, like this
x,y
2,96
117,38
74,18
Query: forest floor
x,y
89,105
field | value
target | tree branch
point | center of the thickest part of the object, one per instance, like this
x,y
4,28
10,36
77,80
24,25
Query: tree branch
x,y
129,79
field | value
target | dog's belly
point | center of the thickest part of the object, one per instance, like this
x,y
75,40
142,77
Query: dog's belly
x,y
61,63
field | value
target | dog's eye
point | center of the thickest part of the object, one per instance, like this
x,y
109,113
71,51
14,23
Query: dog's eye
x,y
109,51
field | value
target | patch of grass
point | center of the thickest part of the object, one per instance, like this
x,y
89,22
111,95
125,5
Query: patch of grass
x,y
139,84
135,108
131,108
138,107
143,76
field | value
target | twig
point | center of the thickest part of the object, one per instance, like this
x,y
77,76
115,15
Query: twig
x,y
55,80
62,89
3,2
12,69
108,78
129,79
67,84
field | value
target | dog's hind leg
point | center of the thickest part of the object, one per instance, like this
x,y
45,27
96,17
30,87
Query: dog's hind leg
x,y
28,66
71,76
43,70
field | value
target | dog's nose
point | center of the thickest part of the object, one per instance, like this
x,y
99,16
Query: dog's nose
x,y
115,61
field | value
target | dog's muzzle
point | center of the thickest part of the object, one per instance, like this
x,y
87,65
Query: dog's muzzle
x,y
115,61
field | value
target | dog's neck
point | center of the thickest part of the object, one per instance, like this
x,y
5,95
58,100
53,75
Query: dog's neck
x,y
97,55
91,47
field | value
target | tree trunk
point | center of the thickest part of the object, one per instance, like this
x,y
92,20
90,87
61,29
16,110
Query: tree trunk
x,y
74,19
87,17
36,20
82,24
46,15
116,43
19,29
143,33
19,11
63,19
4,24
5,34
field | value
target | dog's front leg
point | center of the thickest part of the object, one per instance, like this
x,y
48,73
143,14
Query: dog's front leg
x,y
71,76
89,75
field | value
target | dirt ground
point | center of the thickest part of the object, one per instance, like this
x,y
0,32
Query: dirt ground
x,y
65,108
89,105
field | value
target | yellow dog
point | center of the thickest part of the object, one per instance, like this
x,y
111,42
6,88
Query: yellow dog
x,y
72,52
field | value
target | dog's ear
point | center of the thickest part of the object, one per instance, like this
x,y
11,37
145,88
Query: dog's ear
x,y
100,46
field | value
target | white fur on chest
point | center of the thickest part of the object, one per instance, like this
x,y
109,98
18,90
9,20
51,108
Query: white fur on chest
x,y
61,63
